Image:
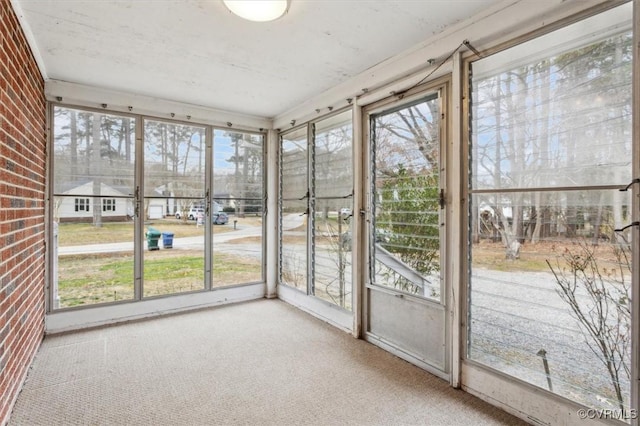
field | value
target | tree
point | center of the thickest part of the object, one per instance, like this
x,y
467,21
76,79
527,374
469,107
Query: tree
x,y
407,176
544,124
245,183
410,210
96,169
333,167
600,301
174,165
333,179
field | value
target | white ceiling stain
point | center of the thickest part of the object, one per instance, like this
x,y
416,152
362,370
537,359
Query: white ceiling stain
x,y
197,52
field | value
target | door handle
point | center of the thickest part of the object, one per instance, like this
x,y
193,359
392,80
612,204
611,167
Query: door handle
x,y
628,226
636,180
304,196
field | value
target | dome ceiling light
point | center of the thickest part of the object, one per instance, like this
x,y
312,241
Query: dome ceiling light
x,y
258,10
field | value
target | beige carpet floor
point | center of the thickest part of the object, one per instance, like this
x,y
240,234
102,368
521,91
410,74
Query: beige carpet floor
x,y
256,363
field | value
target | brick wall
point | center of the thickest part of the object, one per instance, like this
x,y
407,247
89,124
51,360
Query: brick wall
x,y
22,191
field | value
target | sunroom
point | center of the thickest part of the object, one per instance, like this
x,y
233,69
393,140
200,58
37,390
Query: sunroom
x,y
455,183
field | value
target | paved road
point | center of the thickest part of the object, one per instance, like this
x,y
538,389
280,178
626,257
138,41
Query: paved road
x,y
184,243
516,314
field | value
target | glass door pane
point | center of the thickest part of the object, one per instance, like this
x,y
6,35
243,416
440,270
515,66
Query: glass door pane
x,y
294,209
174,208
333,193
93,186
405,236
237,212
404,303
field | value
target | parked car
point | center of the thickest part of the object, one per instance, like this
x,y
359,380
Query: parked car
x,y
192,214
382,236
345,213
220,218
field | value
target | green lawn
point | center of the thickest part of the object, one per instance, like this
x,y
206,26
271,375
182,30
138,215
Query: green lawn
x,y
75,234
89,279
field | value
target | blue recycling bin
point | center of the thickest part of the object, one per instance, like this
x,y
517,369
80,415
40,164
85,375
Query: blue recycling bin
x,y
153,235
167,239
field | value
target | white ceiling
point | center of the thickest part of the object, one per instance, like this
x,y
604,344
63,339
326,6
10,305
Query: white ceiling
x,y
197,52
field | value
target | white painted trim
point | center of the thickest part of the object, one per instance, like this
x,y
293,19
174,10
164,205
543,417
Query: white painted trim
x,y
504,21
70,320
532,404
358,272
94,97
391,348
272,251
455,206
318,308
635,216
31,40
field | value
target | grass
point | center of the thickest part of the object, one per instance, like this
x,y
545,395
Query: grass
x,y
89,279
175,274
294,239
72,234
533,257
75,234
492,256
94,278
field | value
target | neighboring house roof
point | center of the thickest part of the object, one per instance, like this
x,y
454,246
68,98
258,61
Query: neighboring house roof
x,y
86,189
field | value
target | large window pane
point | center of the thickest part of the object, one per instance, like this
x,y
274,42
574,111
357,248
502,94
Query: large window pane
x,y
333,190
237,207
294,211
97,204
554,116
540,301
93,185
406,230
174,207
550,277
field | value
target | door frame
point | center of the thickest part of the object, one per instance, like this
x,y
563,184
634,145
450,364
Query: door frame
x,y
441,86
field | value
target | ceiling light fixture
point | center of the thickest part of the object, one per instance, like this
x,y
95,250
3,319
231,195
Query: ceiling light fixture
x,y
258,10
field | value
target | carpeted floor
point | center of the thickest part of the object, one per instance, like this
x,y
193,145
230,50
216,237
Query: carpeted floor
x,y
256,363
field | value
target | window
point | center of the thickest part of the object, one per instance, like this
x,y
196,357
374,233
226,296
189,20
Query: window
x,y
405,233
316,203
107,186
175,158
238,194
333,196
294,213
549,276
93,156
82,204
108,204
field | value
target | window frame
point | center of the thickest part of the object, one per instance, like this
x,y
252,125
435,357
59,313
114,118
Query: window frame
x,y
82,205
473,374
51,306
109,205
310,131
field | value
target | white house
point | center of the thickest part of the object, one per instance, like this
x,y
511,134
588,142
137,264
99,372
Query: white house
x,y
156,208
78,204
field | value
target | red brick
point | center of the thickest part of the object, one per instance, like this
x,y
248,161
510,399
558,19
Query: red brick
x,y
22,146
